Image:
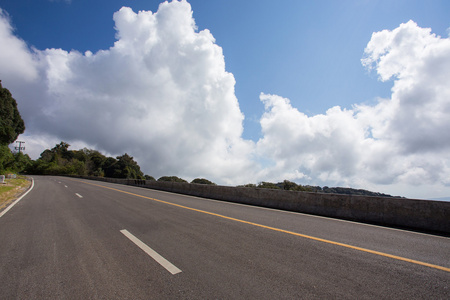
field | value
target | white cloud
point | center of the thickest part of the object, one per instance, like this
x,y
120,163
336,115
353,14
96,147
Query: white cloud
x,y
325,147
161,93
15,60
420,104
404,140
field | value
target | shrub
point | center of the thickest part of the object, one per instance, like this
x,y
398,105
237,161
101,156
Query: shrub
x,y
171,179
202,181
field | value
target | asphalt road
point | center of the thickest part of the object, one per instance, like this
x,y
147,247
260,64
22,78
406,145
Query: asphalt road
x,y
80,239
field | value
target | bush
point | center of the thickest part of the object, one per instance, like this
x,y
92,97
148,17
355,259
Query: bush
x,y
268,185
171,179
202,181
251,185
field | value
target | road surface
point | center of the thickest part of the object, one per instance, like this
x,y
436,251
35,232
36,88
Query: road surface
x,y
79,239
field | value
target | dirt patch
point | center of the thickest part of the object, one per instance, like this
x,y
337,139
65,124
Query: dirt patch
x,y
12,189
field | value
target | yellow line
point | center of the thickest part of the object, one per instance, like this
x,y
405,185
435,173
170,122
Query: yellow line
x,y
284,231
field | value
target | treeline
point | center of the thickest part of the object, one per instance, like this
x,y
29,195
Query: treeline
x,y
292,186
177,179
13,162
85,162
11,125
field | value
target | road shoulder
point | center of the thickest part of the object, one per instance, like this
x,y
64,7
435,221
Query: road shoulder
x,y
12,190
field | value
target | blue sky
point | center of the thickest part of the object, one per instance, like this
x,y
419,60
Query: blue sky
x,y
308,52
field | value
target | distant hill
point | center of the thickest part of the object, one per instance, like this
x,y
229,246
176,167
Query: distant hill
x,y
350,191
292,186
440,199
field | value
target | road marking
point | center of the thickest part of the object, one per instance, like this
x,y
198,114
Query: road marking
x,y
152,253
299,213
15,202
79,196
284,231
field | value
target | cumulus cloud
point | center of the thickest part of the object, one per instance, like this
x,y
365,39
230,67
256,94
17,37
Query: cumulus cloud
x,y
420,63
161,93
15,60
403,140
322,146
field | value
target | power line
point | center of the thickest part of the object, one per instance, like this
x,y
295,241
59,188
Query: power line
x,y
20,146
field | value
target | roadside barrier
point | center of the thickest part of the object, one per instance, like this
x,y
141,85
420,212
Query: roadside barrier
x,y
423,215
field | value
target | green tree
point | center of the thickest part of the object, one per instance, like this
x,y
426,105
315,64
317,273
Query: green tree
x,y
289,185
22,162
62,150
130,169
74,167
61,160
171,178
6,158
39,166
268,185
95,162
122,166
47,156
54,161
202,181
251,185
11,123
109,167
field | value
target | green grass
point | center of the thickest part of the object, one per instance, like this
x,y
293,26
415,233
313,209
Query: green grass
x,y
12,189
4,189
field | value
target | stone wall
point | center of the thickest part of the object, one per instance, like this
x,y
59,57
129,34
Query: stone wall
x,y
416,214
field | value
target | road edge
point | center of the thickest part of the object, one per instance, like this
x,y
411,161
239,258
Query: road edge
x,y
18,199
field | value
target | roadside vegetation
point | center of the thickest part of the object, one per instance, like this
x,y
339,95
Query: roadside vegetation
x,y
11,126
292,186
85,162
11,189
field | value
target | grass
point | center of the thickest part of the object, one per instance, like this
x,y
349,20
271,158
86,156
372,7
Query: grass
x,y
12,190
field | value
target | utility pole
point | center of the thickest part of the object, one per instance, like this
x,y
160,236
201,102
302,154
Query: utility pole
x,y
20,146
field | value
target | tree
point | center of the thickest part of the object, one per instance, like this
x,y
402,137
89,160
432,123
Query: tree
x,y
289,185
60,160
62,150
22,162
122,166
46,156
268,185
109,166
11,123
202,181
171,178
6,158
129,168
95,162
250,185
